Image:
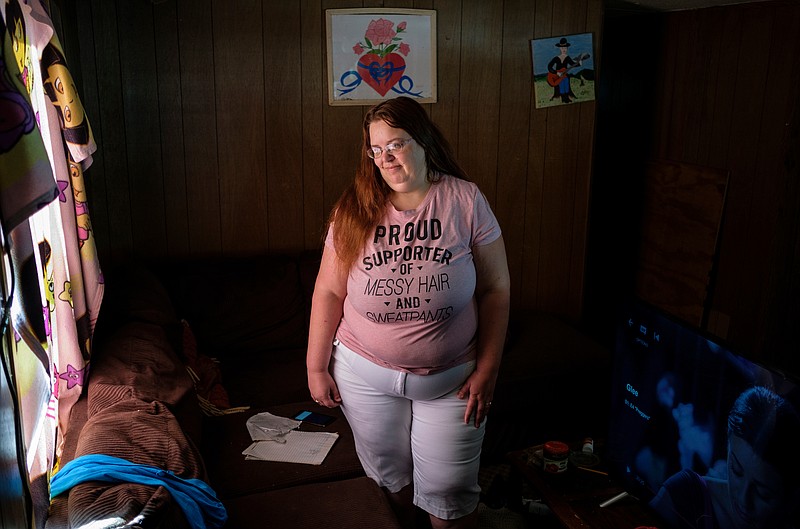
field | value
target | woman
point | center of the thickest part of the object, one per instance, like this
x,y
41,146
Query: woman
x,y
409,315
760,490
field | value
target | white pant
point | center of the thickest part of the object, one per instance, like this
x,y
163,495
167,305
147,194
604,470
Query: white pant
x,y
411,428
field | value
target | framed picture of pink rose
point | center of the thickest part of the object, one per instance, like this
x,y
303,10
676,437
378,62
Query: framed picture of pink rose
x,y
381,53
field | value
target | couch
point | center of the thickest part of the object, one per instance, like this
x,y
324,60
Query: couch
x,y
186,352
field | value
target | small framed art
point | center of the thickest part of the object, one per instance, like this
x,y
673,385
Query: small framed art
x,y
380,53
563,70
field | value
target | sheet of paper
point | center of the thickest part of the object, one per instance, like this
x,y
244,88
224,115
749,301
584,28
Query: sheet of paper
x,y
300,447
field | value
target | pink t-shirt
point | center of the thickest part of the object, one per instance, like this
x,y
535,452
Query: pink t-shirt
x,y
410,301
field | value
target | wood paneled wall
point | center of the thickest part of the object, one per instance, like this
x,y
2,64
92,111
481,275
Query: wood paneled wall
x,y
728,90
215,136
718,88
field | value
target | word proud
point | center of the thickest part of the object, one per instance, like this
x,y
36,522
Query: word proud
x,y
399,239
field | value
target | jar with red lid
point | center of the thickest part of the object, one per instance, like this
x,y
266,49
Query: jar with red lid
x,y
556,456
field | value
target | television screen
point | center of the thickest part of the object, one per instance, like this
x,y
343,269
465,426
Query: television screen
x,y
708,438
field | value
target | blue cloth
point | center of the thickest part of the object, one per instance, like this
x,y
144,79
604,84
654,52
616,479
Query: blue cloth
x,y
198,501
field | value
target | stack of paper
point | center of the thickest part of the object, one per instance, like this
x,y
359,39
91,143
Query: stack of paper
x,y
300,447
277,439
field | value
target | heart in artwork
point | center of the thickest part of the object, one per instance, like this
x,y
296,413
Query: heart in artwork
x,y
381,73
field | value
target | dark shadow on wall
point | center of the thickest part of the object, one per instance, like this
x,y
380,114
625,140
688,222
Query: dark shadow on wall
x,y
625,94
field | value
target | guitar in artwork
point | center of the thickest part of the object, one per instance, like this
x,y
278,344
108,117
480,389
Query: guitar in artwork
x,y
554,78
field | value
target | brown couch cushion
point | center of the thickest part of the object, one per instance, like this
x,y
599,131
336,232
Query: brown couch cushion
x,y
231,475
134,293
356,503
241,306
266,379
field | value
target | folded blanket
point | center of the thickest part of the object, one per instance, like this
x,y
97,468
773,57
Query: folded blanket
x,y
137,391
198,501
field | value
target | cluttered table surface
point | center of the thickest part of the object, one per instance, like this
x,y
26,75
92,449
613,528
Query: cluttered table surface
x,y
579,490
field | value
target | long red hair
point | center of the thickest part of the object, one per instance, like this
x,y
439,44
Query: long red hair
x,y
363,203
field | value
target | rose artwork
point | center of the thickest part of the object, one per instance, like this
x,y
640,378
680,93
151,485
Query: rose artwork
x,y
379,66
380,31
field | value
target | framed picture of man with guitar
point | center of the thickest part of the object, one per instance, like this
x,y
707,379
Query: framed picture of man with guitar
x,y
563,70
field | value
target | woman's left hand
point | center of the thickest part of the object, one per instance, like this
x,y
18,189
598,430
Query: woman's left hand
x,y
478,390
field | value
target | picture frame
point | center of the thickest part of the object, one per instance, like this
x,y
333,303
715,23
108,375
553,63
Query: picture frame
x,y
380,53
563,69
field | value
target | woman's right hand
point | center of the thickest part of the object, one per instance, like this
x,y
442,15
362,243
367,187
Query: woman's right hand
x,y
323,389
327,304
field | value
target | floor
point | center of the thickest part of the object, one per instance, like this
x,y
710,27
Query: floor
x,y
505,505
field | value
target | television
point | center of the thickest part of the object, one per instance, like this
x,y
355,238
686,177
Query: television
x,y
673,391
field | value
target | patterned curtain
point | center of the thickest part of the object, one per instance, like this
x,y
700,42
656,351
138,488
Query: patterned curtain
x,y
56,285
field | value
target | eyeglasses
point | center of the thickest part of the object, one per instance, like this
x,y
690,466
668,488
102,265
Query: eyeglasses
x,y
391,149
